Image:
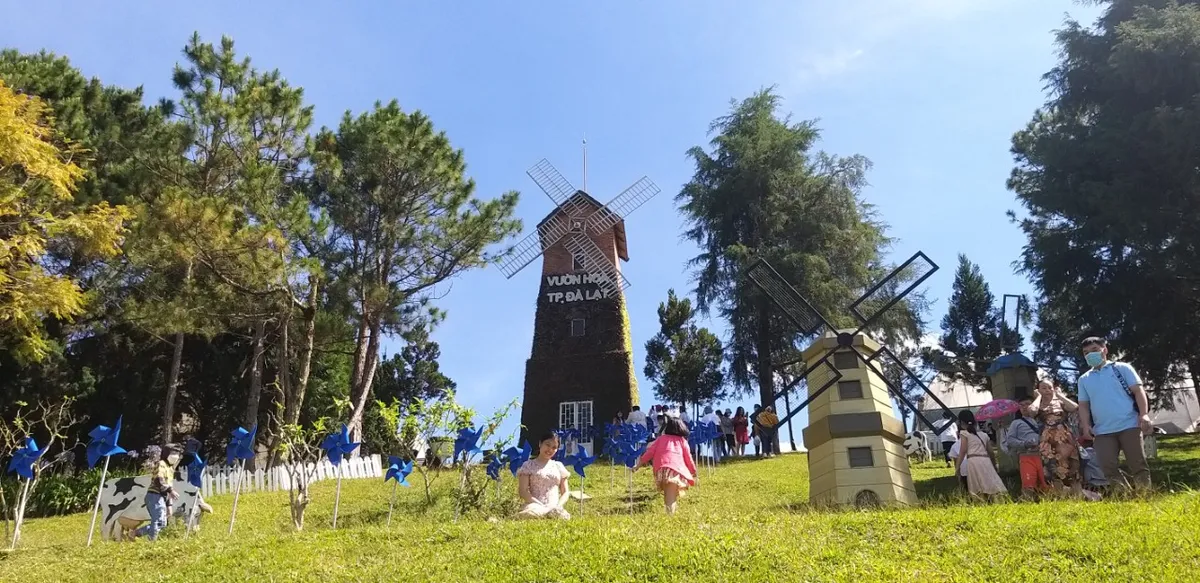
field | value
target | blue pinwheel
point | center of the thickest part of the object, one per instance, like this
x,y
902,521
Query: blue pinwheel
x,y
580,460
195,476
24,459
103,443
493,468
398,470
22,464
240,447
467,443
337,446
517,456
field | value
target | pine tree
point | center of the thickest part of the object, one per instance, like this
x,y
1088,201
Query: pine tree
x,y
970,338
763,192
683,360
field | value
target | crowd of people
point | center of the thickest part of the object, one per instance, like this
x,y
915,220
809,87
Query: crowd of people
x,y
1110,418
1076,456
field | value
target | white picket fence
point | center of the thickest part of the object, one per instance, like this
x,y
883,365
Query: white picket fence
x,y
223,479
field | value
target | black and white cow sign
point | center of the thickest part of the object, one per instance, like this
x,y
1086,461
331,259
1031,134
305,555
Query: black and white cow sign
x,y
123,505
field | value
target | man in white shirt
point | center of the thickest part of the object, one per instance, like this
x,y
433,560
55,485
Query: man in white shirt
x,y
949,435
636,416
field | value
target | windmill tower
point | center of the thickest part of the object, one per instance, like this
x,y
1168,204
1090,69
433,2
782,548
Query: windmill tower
x,y
580,369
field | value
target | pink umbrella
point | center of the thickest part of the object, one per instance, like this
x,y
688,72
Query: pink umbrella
x,y
997,409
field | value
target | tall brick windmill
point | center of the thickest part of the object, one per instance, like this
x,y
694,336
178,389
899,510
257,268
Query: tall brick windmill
x,y
580,371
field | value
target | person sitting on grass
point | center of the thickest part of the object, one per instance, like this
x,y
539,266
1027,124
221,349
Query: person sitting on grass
x,y
674,468
542,483
982,479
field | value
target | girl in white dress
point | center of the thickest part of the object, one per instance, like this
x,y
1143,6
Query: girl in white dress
x,y
542,483
982,479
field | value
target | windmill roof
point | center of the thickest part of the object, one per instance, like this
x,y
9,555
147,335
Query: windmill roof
x,y
1011,360
618,229
956,393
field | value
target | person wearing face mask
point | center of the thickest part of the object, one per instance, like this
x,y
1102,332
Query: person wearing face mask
x,y
160,494
1114,412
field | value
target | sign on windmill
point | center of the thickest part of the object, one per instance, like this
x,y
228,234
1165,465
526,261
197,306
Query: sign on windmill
x,y
855,444
580,369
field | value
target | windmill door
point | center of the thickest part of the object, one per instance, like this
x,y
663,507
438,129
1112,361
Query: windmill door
x,y
577,415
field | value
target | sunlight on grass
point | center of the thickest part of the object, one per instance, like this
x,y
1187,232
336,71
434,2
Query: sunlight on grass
x,y
748,521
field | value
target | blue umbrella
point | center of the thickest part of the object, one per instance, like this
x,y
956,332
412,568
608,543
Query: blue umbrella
x,y
398,470
240,447
337,446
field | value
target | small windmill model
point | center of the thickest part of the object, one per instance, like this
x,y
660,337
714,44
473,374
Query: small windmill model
x,y
576,223
856,422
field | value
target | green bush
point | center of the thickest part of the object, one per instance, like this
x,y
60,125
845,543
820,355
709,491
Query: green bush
x,y
57,494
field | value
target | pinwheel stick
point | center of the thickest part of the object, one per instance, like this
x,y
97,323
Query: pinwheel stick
x,y
237,493
19,515
630,491
189,520
96,507
337,496
582,483
392,504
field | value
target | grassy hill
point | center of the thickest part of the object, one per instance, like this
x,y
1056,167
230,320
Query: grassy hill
x,y
747,522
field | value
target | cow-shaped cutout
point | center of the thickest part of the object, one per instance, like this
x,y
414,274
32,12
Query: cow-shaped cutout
x,y
123,506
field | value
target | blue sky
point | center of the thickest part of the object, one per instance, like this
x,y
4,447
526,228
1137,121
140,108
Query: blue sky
x,y
930,90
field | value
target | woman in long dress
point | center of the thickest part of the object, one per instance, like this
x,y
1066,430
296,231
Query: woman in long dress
x,y
1058,447
982,479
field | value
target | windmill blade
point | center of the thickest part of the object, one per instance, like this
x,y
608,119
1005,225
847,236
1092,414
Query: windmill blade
x,y
887,292
885,357
547,177
821,375
532,247
783,295
621,205
595,261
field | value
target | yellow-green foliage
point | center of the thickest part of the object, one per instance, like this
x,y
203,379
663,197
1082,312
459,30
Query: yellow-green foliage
x,y
37,210
747,522
633,384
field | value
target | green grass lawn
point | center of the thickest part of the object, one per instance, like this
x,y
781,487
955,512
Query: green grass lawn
x,y
747,522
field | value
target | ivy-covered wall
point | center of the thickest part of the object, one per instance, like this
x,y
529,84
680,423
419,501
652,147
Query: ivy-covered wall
x,y
597,366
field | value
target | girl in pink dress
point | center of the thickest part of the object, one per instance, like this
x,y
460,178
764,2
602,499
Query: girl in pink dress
x,y
674,469
542,483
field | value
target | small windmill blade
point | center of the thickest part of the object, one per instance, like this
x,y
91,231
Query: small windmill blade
x,y
887,292
548,178
885,357
595,261
621,205
819,377
783,295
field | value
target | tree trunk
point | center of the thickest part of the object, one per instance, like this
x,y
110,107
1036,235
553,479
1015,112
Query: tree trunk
x,y
366,377
762,362
168,417
250,419
168,413
300,387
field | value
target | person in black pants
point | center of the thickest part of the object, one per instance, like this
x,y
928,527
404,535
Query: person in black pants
x,y
948,435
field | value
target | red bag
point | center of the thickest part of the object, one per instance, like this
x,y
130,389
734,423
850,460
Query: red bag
x,y
1033,473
